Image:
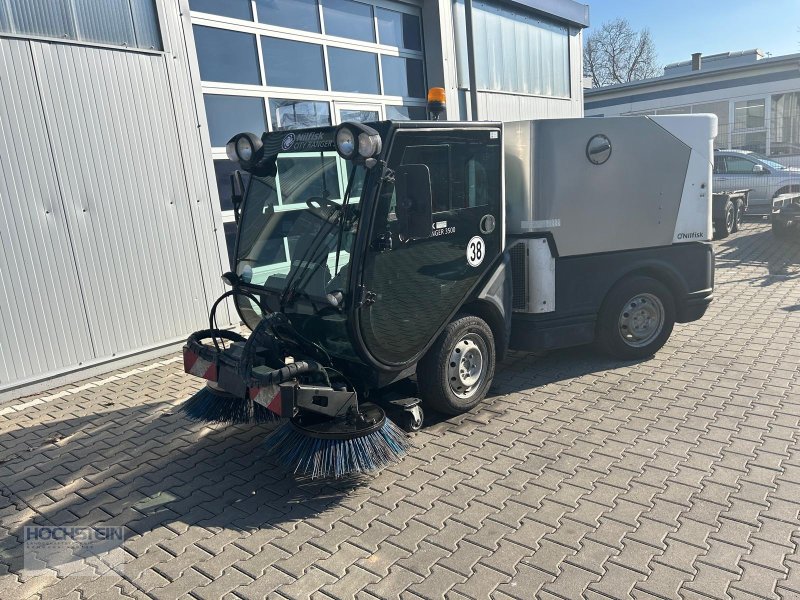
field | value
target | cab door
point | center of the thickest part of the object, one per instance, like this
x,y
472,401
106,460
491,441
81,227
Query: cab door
x,y
414,286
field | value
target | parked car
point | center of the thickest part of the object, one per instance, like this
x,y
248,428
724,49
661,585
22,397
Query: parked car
x,y
764,177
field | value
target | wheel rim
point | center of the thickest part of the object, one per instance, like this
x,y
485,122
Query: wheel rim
x,y
466,368
641,320
729,217
739,215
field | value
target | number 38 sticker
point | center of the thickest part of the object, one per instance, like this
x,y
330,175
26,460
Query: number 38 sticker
x,y
476,250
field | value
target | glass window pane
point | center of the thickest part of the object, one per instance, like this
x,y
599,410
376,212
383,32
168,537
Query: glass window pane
x,y
229,115
738,165
406,113
304,177
514,51
235,9
349,19
403,77
227,56
52,18
295,14
358,116
224,169
755,141
398,29
296,114
785,126
105,21
748,114
145,24
353,71
293,64
437,158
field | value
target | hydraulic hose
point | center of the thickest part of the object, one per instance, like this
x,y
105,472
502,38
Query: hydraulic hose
x,y
263,336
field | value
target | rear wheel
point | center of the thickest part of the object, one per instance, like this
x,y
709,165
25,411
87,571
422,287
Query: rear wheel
x,y
636,318
456,372
724,227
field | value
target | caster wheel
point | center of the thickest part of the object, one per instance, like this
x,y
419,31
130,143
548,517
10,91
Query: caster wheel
x,y
412,419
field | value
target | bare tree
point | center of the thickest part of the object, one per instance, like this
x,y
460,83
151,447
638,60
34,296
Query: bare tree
x,y
616,53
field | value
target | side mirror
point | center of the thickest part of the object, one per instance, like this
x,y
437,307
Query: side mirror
x,y
237,192
760,169
414,201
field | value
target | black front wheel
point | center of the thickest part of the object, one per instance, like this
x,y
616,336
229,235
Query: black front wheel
x,y
456,372
636,318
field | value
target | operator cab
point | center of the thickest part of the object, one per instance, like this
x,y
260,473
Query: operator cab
x,y
357,232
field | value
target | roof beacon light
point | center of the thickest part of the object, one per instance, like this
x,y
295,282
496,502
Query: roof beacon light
x,y
437,102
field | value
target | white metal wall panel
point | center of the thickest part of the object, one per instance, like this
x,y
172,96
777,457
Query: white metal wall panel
x,y
44,321
111,243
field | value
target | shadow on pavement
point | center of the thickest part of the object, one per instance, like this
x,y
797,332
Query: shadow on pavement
x,y
148,466
145,467
781,257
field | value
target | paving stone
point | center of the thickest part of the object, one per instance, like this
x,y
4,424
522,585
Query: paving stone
x,y
678,476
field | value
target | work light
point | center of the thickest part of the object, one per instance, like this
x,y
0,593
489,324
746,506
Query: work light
x,y
345,143
244,148
357,142
368,145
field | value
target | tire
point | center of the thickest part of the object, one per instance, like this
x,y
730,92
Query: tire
x,y
724,226
651,321
440,374
739,216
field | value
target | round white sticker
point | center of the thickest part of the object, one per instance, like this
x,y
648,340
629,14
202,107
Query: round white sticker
x,y
476,250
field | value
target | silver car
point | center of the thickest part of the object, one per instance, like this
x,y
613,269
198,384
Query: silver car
x,y
766,178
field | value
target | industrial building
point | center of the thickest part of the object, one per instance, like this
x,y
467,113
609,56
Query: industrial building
x,y
114,212
756,99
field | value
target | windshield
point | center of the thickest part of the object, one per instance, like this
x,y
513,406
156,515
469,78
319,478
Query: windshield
x,y
295,235
768,162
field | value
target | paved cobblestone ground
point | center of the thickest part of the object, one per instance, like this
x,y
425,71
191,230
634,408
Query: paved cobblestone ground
x,y
674,477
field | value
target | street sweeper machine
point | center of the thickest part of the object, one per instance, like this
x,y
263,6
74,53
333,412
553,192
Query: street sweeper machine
x,y
368,254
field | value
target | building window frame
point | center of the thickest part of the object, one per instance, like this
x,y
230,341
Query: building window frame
x,y
334,99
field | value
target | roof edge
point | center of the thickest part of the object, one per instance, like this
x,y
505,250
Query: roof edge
x,y
643,83
570,11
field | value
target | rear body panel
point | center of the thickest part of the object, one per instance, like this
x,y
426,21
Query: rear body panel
x,y
582,282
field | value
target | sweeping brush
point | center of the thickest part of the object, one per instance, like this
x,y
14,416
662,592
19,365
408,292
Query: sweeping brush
x,y
213,406
335,449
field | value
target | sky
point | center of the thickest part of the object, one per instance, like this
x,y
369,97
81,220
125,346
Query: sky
x,y
681,27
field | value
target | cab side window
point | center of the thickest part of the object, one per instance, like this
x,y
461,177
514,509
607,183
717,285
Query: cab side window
x,y
719,165
437,158
462,172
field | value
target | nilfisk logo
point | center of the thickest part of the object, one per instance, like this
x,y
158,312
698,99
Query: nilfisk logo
x,y
288,141
690,236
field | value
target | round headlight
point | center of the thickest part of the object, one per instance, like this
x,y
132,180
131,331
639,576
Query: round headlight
x,y
345,142
368,145
244,149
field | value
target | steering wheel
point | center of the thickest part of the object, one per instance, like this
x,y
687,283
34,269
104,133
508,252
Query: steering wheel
x,y
323,208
